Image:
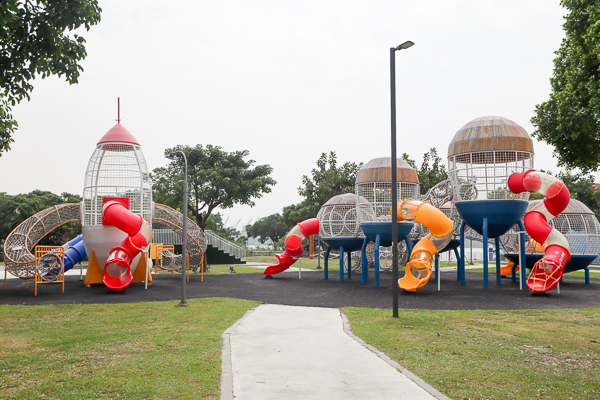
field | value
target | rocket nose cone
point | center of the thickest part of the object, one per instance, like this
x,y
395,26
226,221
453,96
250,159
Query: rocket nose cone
x,y
118,133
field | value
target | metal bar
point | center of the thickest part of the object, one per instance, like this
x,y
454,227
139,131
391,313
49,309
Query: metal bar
x,y
394,191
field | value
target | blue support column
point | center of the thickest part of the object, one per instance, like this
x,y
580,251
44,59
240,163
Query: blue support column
x,y
457,257
460,266
437,267
513,271
376,256
326,263
341,263
364,262
485,253
523,268
498,276
349,265
408,246
587,275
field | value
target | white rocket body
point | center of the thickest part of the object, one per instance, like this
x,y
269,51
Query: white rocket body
x,y
117,168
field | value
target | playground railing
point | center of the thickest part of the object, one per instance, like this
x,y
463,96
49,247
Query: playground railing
x,y
228,247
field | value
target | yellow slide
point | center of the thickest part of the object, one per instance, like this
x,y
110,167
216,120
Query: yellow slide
x,y
418,269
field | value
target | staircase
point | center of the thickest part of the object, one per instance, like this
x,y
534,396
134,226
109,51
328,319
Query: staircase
x,y
218,250
221,251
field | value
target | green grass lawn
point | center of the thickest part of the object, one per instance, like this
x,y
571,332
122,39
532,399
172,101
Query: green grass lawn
x,y
134,351
525,354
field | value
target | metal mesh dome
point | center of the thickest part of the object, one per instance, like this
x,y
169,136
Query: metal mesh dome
x,y
577,222
374,188
338,218
483,154
116,170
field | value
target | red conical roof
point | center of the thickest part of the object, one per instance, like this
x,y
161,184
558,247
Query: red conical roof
x,y
120,134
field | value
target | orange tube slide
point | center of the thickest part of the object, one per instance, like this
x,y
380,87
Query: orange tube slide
x,y
418,269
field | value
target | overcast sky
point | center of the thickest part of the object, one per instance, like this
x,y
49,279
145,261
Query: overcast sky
x,y
287,80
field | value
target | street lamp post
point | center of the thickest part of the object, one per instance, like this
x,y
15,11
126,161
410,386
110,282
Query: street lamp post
x,y
393,50
184,259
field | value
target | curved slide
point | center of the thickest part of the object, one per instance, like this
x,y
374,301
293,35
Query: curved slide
x,y
74,252
293,245
547,272
418,269
117,270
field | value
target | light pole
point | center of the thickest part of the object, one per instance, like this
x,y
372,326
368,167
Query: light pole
x,y
393,50
184,259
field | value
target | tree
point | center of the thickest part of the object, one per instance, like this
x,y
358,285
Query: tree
x,y
34,41
432,170
216,225
295,213
570,119
216,179
326,181
270,227
582,188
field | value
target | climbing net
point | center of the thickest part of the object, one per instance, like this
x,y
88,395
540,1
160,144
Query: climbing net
x,y
196,241
18,258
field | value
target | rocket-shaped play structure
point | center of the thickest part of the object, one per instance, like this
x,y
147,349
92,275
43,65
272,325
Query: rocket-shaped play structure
x,y
116,216
117,209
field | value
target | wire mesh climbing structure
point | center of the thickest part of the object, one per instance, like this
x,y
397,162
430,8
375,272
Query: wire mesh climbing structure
x,y
18,246
196,241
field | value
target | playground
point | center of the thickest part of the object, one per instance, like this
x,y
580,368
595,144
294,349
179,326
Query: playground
x,y
485,199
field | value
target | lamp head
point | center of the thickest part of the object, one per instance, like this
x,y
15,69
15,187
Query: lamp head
x,y
405,45
171,156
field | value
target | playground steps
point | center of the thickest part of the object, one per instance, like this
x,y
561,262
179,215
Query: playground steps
x,y
221,251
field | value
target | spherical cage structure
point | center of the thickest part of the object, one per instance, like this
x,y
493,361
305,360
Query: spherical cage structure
x,y
116,170
483,154
338,218
373,194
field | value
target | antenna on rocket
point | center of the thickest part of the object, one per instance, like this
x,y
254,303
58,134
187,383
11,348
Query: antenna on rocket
x,y
118,110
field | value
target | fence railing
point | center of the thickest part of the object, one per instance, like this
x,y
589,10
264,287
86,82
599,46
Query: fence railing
x,y
228,247
167,236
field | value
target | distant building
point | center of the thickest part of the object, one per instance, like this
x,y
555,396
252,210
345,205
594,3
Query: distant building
x,y
254,244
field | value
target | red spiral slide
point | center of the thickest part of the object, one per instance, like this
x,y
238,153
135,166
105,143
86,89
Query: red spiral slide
x,y
293,245
547,272
117,271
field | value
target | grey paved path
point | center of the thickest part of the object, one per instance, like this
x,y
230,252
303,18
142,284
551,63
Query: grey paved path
x,y
287,352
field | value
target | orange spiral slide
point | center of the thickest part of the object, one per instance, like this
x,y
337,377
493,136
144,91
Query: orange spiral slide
x,y
418,269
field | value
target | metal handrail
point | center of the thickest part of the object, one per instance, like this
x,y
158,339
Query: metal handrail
x,y
167,236
228,247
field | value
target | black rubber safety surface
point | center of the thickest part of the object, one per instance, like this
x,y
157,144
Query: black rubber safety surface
x,y
313,290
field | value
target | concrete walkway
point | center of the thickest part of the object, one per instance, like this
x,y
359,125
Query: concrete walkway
x,y
287,352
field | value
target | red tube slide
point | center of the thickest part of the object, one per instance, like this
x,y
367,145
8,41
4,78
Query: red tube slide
x,y
117,270
293,245
547,272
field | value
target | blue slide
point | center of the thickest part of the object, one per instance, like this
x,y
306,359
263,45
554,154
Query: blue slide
x,y
76,252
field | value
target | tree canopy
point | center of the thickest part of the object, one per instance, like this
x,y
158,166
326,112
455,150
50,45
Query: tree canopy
x,y
216,179
570,119
432,170
270,227
326,181
216,225
35,41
